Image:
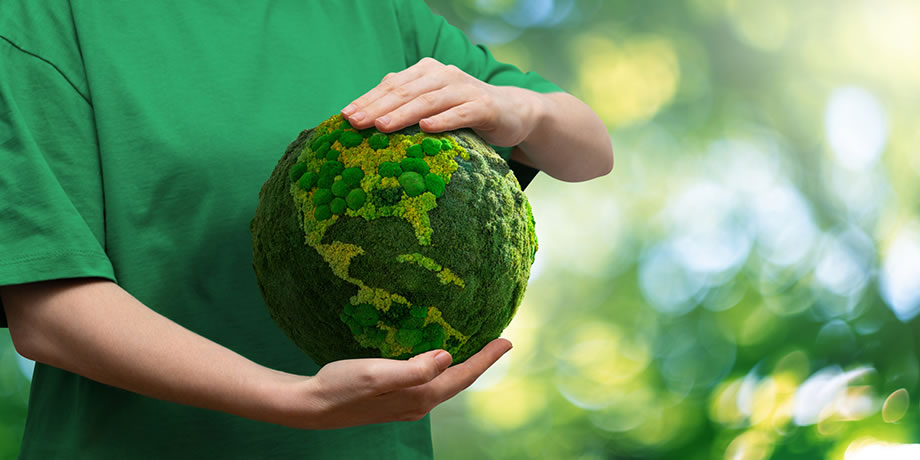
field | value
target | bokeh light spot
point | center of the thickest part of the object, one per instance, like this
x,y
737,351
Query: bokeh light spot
x,y
508,405
821,390
667,284
873,449
900,277
856,127
626,82
762,24
895,406
594,369
750,445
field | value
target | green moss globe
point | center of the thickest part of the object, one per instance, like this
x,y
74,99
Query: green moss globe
x,y
399,257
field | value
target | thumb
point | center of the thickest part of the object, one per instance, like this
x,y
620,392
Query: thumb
x,y
418,370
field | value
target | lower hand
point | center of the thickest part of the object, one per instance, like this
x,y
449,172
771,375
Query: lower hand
x,y
356,392
442,98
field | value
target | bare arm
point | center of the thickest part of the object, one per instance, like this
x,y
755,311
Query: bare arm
x,y
94,328
568,140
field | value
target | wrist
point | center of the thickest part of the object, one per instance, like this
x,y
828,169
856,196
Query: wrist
x,y
284,399
536,110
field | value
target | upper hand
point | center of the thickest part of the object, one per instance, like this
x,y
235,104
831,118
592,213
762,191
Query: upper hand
x,y
356,392
442,98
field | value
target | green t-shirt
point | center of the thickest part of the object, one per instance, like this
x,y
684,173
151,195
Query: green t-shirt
x,y
134,139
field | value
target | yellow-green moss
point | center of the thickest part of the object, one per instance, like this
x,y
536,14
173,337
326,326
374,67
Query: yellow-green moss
x,y
444,273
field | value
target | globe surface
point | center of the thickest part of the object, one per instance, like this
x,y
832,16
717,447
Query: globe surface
x,y
388,245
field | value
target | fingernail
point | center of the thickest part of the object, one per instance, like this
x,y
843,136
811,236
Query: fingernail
x,y
358,116
443,359
348,109
384,120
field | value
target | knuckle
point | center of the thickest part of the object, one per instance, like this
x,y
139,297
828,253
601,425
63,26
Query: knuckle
x,y
489,114
368,379
450,71
400,91
428,61
425,373
463,113
428,98
387,86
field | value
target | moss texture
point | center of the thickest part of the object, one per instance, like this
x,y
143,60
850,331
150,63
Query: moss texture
x,y
394,245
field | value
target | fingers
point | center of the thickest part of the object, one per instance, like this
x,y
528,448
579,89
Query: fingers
x,y
461,376
362,391
418,91
471,114
355,112
410,404
424,105
427,88
391,375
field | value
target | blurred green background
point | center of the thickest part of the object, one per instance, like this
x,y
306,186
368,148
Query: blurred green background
x,y
745,284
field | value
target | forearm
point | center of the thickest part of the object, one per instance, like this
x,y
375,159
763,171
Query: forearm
x,y
568,140
96,329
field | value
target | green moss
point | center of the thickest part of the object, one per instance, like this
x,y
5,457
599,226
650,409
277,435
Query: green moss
x,y
322,196
350,139
420,260
307,180
431,146
356,198
434,184
323,149
389,169
375,336
322,212
411,322
297,171
388,196
326,179
415,151
412,182
434,332
366,315
318,142
378,141
334,167
408,337
348,256
352,176
333,155
337,205
340,188
414,164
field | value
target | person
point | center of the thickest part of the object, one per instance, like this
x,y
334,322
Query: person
x,y
135,137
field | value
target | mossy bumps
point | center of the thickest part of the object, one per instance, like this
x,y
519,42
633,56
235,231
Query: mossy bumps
x,y
368,244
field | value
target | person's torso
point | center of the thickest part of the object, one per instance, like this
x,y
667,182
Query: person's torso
x,y
194,104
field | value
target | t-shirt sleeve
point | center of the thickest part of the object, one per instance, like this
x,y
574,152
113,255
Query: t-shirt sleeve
x,y
426,34
51,194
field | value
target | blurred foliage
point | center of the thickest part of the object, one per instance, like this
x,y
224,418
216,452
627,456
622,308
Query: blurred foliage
x,y
745,283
